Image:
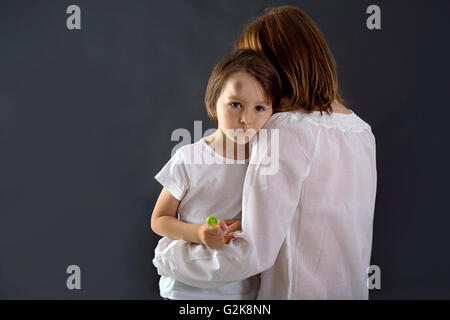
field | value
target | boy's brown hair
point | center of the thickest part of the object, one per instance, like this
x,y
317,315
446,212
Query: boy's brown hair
x,y
243,60
295,46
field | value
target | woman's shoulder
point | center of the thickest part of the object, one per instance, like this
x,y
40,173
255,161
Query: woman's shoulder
x,y
286,119
342,121
345,122
281,117
292,128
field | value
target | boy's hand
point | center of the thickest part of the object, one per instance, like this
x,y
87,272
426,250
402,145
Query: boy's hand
x,y
229,227
212,237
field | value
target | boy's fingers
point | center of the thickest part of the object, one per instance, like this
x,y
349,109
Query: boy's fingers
x,y
222,224
233,228
231,221
218,231
228,238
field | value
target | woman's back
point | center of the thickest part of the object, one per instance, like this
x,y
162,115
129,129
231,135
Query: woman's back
x,y
327,247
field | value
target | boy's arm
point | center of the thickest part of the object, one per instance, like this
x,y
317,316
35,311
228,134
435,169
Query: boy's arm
x,y
165,224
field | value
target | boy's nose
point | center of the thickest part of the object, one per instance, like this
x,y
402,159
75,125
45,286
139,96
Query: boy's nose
x,y
245,122
246,119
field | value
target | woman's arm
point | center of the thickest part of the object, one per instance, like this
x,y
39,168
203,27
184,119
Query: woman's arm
x,y
165,224
269,203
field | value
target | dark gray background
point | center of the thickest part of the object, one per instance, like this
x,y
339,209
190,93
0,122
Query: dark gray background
x,y
86,118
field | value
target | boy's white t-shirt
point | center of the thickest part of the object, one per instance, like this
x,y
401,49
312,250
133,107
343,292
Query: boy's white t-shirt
x,y
206,184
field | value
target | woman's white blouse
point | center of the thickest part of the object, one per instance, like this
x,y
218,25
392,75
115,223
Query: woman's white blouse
x,y
307,219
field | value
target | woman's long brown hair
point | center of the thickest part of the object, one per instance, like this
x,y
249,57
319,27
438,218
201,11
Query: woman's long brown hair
x,y
297,48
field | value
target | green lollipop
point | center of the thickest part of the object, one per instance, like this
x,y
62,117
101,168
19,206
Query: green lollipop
x,y
211,221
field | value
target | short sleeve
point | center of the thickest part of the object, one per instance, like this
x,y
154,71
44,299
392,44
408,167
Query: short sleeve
x,y
173,176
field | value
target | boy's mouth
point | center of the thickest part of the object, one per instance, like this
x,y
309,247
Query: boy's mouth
x,y
247,131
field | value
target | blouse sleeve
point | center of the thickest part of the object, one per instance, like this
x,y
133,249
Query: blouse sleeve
x,y
272,190
173,176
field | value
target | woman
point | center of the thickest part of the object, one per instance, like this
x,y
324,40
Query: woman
x,y
307,226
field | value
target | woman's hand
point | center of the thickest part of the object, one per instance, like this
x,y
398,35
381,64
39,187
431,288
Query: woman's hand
x,y
216,237
229,227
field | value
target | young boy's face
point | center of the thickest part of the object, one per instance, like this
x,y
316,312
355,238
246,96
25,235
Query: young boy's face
x,y
242,108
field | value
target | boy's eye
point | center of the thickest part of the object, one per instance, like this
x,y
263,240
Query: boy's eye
x,y
260,108
235,104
